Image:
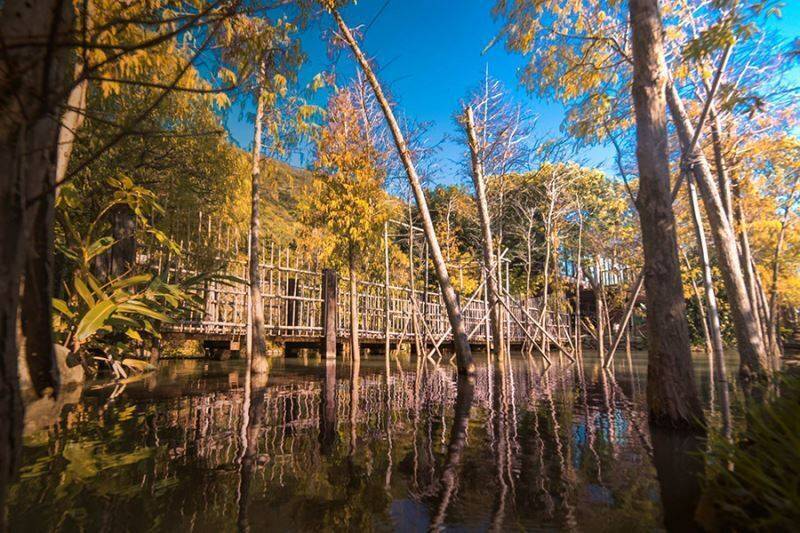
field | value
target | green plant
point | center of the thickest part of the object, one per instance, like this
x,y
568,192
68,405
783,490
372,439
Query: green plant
x,y
101,314
753,482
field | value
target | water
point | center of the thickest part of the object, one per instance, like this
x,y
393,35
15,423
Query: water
x,y
325,447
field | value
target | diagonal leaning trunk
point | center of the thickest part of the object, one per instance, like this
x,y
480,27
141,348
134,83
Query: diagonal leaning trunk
x,y
486,231
713,323
671,394
753,357
460,341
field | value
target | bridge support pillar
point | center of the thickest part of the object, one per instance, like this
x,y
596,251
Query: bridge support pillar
x,y
329,296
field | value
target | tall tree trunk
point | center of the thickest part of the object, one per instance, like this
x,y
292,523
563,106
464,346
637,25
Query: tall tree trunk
x,y
578,283
387,301
31,80
713,324
723,177
487,243
773,289
258,356
599,305
71,121
355,350
460,341
671,394
753,358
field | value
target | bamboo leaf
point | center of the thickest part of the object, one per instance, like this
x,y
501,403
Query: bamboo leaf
x,y
62,307
84,292
94,319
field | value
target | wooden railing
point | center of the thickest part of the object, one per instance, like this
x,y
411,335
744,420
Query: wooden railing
x,y
294,304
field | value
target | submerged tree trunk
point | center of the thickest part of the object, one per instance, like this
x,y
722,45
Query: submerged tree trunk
x,y
258,355
671,394
387,302
460,341
713,323
486,232
599,305
355,349
753,359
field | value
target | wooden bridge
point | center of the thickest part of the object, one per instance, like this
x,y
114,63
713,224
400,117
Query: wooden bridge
x,y
309,307
296,301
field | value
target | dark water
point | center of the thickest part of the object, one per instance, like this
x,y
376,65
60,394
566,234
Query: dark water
x,y
321,447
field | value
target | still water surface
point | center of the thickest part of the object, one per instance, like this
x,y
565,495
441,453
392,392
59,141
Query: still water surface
x,y
320,447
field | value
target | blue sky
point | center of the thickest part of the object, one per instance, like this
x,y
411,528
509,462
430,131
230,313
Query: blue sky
x,y
430,56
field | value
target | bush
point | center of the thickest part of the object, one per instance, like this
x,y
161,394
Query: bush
x,y
753,482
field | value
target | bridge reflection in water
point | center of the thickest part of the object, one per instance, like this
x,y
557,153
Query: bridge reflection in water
x,y
318,446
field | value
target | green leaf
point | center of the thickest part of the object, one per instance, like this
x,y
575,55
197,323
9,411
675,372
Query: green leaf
x,y
94,319
132,280
84,291
99,246
138,308
62,307
133,334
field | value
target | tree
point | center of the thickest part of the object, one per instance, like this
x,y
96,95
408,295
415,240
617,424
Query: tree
x,y
671,394
460,341
265,56
347,197
581,56
487,242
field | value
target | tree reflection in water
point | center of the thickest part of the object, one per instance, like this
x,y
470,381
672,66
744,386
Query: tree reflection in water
x,y
521,446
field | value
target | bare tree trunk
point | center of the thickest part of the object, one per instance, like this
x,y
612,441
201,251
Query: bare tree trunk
x,y
753,358
460,341
599,305
387,300
578,282
713,325
722,171
355,348
486,231
71,121
258,356
671,394
773,289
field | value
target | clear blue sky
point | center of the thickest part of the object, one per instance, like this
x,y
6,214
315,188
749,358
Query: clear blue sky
x,y
429,53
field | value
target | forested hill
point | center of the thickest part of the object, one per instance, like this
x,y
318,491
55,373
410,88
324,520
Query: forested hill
x,y
284,186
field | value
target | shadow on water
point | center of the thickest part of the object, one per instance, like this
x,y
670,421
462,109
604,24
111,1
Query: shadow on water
x,y
324,445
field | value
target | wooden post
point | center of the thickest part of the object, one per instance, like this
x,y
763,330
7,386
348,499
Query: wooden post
x,y
329,295
292,306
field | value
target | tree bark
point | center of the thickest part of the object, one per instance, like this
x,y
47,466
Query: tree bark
x,y
387,301
460,341
258,355
713,323
355,348
71,121
719,161
486,232
671,394
773,289
753,359
599,305
31,80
